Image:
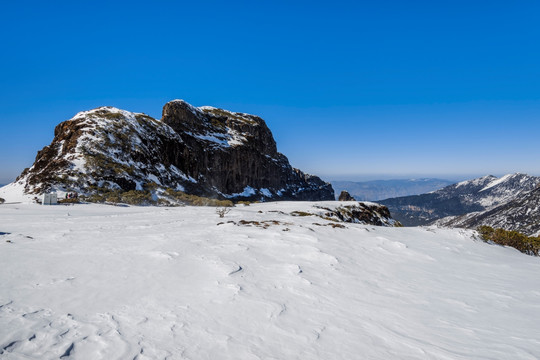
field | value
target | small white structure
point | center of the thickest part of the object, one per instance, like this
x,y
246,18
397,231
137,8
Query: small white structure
x,y
49,199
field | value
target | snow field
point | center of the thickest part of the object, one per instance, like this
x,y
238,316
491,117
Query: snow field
x,y
105,282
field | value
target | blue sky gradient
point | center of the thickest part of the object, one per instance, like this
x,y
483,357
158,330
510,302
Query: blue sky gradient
x,y
351,90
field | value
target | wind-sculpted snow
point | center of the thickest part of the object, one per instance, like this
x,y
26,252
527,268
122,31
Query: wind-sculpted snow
x,y
104,282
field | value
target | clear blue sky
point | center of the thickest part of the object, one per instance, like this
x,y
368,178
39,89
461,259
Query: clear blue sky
x,y
351,90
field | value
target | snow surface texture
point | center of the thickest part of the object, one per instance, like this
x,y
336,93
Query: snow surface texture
x,y
14,192
105,282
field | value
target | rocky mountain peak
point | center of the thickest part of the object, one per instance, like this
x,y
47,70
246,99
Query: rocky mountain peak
x,y
204,151
467,186
218,127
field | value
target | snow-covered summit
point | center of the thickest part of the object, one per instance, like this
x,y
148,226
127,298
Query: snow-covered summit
x,y
481,181
98,112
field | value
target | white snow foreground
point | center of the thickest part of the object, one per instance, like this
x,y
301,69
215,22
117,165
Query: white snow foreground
x,y
104,282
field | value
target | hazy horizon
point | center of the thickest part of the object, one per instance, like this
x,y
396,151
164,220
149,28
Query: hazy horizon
x,y
372,177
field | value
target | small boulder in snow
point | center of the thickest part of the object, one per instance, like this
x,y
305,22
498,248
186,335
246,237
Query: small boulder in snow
x,y
345,196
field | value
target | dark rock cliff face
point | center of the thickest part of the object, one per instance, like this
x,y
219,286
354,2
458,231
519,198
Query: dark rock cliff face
x,y
204,151
231,151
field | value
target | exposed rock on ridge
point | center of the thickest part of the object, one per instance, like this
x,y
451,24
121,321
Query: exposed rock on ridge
x,y
345,196
366,213
204,151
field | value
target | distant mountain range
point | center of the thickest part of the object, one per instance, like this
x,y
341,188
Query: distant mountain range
x,y
384,189
510,202
521,214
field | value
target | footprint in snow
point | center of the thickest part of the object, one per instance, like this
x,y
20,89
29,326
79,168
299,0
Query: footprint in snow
x,y
236,270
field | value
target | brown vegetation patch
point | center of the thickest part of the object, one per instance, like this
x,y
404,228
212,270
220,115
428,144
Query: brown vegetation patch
x,y
68,201
195,200
302,213
529,245
265,224
333,225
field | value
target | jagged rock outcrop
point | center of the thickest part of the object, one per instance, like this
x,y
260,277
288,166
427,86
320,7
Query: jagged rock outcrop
x,y
469,196
366,213
203,151
345,196
363,213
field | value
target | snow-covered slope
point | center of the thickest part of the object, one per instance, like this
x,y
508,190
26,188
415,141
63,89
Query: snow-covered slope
x,y
479,194
267,281
14,192
505,189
